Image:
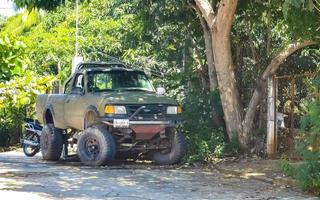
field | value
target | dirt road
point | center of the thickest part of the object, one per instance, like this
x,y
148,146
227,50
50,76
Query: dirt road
x,y
32,179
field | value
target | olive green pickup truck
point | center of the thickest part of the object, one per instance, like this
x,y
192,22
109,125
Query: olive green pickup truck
x,y
109,109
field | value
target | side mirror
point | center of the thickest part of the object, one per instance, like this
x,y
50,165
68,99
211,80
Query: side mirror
x,y
161,91
77,91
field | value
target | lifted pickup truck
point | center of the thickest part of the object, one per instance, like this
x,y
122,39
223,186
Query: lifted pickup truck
x,y
110,109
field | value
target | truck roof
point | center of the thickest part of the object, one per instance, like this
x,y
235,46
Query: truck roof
x,y
91,66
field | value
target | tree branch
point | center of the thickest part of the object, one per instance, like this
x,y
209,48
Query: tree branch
x,y
209,51
206,10
261,84
282,56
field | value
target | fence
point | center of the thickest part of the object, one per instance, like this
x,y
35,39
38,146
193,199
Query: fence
x,y
287,96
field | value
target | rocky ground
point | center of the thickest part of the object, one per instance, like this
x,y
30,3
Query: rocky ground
x,y
33,179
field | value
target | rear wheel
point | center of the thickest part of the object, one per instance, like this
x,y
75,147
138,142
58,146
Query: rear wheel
x,y
51,142
96,146
175,152
30,150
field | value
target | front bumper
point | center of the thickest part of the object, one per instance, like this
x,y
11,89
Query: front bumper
x,y
142,129
167,122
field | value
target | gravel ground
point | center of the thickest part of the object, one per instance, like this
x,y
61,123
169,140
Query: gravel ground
x,y
33,179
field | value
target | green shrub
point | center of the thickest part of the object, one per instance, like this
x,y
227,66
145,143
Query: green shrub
x,y
285,166
10,125
307,175
205,138
204,145
6,131
233,146
19,87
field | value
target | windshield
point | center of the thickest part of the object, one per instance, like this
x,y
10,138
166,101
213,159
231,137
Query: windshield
x,y
100,81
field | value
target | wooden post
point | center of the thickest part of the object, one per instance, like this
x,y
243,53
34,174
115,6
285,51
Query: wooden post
x,y
271,119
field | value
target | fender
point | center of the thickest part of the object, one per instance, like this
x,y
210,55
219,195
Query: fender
x,y
90,108
50,108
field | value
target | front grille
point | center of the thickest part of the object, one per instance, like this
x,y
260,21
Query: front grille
x,y
150,112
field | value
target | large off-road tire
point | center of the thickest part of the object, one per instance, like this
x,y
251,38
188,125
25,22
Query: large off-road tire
x,y
175,153
51,142
96,146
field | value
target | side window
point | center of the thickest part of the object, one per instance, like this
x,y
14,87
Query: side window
x,y
67,87
78,81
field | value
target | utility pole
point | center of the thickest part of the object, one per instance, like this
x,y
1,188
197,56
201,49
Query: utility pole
x,y
271,119
76,59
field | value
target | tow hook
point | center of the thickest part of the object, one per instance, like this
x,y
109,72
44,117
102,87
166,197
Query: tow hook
x,y
163,134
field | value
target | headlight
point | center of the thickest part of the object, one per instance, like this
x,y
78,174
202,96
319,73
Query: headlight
x,y
173,110
110,109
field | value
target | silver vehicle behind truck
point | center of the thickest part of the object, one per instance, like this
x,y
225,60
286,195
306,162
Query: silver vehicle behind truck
x,y
110,109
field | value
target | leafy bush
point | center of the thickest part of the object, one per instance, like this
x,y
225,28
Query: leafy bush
x,y
307,175
233,146
308,147
286,167
6,127
13,59
19,86
205,138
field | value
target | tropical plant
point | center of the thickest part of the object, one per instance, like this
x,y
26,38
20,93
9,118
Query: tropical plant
x,y
13,59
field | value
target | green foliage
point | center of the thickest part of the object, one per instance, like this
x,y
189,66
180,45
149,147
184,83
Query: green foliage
x,y
3,20
286,167
307,175
42,4
22,22
205,139
19,86
17,101
13,60
303,18
7,125
205,144
233,146
22,91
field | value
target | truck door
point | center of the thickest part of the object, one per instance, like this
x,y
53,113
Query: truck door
x,y
74,105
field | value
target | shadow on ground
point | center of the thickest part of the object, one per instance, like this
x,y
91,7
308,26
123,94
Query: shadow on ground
x,y
32,178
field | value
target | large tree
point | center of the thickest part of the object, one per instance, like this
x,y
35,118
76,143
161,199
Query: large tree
x,y
217,19
42,4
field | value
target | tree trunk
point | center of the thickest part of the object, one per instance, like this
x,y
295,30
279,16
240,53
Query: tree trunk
x,y
225,69
220,27
209,51
227,85
209,54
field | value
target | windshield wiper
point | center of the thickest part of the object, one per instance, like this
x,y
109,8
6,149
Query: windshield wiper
x,y
135,89
105,90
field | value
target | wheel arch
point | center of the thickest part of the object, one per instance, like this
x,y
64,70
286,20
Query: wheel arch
x,y
91,111
48,115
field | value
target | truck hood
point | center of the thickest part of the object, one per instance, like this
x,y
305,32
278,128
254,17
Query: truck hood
x,y
135,97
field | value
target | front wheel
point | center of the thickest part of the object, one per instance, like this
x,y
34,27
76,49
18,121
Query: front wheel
x,y
172,155
96,146
30,150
